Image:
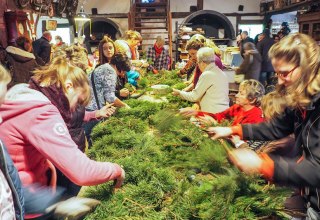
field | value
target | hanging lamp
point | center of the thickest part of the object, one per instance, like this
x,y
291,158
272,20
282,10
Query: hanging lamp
x,y
80,19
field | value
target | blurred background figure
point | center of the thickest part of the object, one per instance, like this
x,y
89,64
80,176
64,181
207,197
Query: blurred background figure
x,y
263,46
59,41
276,38
21,61
158,56
285,30
244,39
251,65
42,47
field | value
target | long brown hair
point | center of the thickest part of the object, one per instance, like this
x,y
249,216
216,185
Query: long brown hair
x,y
102,58
302,51
58,72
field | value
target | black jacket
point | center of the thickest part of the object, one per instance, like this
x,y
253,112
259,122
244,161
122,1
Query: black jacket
x,y
305,124
42,48
21,64
243,42
251,65
263,47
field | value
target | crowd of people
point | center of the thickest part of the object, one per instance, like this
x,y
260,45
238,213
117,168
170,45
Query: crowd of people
x,y
256,63
274,134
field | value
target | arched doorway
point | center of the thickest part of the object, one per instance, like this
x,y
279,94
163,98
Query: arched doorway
x,y
211,22
99,28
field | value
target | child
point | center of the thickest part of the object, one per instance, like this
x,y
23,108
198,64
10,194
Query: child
x,y
246,109
273,105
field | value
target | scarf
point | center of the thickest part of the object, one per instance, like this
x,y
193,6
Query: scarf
x,y
196,77
133,53
56,97
158,50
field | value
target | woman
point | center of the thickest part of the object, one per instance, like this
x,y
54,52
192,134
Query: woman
x,y
296,60
251,65
42,139
106,50
130,44
104,82
212,88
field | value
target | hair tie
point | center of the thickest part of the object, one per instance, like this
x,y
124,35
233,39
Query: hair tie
x,y
297,41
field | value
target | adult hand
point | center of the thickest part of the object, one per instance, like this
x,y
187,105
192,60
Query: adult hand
x,y
145,64
127,106
219,132
106,111
120,179
207,120
188,112
124,92
246,160
175,92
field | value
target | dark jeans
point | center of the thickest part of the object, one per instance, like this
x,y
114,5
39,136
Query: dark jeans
x,y
71,189
267,78
88,129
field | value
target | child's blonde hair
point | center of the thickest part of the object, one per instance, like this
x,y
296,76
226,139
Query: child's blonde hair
x,y
5,76
254,90
272,104
58,72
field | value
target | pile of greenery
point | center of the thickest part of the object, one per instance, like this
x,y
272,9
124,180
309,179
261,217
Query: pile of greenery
x,y
173,171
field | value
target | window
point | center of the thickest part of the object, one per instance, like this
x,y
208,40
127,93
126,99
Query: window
x,y
253,29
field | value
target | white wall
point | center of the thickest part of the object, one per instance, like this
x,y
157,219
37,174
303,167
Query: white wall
x,y
106,6
222,6
229,6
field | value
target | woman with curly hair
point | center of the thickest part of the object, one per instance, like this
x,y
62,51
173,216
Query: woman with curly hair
x,y
296,60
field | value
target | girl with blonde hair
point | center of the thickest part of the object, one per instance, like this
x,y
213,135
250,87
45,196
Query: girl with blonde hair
x,y
42,141
296,60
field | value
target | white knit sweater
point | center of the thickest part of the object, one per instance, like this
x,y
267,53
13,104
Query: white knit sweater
x,y
211,91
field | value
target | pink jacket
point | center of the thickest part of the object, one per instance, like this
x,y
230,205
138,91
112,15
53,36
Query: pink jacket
x,y
35,133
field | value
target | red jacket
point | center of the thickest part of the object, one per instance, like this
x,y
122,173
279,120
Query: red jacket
x,y
35,134
238,115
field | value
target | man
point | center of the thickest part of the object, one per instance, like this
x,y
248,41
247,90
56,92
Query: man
x,y
263,46
158,55
42,47
244,39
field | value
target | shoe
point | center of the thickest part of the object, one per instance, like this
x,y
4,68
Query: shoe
x,y
74,208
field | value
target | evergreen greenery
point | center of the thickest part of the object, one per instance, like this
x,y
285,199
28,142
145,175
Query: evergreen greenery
x,y
173,170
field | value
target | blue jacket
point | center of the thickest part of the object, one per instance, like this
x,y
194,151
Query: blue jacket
x,y
12,176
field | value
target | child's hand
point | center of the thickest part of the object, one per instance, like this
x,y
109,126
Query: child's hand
x,y
188,112
207,120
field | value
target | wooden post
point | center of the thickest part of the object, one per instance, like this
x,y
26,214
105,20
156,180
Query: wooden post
x,y
200,4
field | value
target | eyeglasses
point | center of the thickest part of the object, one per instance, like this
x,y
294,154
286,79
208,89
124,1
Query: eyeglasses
x,y
284,74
